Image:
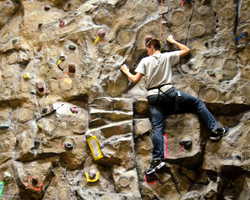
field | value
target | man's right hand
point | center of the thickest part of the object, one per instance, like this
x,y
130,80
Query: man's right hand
x,y
125,69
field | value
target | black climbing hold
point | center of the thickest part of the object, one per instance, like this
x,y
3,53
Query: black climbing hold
x,y
40,25
46,8
69,4
40,86
206,44
245,33
187,143
75,13
62,57
68,145
72,47
44,110
3,126
14,41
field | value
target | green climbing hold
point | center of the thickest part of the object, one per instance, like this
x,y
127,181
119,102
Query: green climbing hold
x,y
40,126
211,72
72,47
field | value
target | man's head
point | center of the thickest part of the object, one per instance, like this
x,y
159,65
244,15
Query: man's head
x,y
152,46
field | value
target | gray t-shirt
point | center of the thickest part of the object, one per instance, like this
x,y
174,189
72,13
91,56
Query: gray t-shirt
x,y
157,69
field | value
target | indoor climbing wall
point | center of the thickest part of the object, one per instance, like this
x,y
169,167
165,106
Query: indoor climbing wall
x,y
72,126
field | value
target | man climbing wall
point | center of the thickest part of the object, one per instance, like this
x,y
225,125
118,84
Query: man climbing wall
x,y
162,96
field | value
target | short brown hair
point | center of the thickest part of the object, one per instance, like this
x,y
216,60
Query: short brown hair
x,y
155,43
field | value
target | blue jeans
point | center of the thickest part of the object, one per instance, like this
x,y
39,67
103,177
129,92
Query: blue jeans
x,y
160,105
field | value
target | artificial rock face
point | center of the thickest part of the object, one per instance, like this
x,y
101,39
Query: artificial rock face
x,y
66,109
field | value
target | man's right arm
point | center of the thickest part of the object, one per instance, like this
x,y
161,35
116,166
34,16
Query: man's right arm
x,y
134,78
184,50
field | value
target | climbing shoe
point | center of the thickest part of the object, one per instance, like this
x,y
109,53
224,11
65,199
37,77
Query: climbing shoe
x,y
155,165
217,134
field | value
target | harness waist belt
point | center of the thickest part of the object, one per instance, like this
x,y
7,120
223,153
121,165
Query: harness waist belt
x,y
158,87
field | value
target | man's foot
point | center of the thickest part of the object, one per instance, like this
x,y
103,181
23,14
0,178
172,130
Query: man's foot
x,y
155,165
217,134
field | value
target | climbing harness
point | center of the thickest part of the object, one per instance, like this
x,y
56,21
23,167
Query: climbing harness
x,y
178,97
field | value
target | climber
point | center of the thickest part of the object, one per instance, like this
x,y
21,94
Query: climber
x,y
162,96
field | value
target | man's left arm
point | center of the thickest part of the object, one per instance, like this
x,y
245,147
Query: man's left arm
x,y
134,78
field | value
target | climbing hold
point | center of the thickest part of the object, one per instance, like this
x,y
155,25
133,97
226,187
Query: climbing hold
x,y
69,4
123,181
26,76
62,23
62,58
75,13
40,127
40,86
149,179
44,110
35,180
186,142
72,68
94,147
92,175
40,25
206,44
46,8
237,157
211,72
74,109
68,145
244,34
72,47
7,176
147,39
3,126
101,34
14,41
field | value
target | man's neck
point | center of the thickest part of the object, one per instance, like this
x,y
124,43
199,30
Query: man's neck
x,y
156,52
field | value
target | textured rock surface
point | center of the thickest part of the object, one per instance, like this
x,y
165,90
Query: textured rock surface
x,y
49,64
